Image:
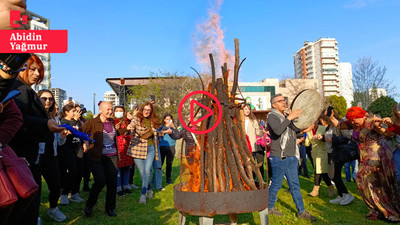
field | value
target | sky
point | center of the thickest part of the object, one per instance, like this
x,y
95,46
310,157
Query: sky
x,y
133,38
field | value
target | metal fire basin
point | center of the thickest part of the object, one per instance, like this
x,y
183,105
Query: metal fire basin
x,y
219,203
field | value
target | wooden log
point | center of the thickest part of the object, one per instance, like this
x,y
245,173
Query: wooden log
x,y
219,158
236,69
235,150
230,159
212,74
245,150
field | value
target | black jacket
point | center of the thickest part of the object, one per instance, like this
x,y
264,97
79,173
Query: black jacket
x,y
190,143
34,130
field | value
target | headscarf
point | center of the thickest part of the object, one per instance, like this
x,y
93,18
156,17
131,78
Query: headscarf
x,y
355,112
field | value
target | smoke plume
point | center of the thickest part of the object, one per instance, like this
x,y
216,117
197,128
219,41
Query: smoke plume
x,y
209,38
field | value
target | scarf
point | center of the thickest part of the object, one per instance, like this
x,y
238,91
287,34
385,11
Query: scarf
x,y
287,135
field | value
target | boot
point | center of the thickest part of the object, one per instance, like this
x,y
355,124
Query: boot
x,y
332,191
314,192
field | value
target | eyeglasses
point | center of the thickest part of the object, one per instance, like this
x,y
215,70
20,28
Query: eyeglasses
x,y
51,99
147,110
283,100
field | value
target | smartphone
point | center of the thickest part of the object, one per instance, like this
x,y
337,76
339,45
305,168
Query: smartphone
x,y
153,98
329,111
10,96
83,110
14,60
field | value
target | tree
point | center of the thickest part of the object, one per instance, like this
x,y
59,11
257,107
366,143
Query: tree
x,y
367,75
168,89
382,106
88,115
338,103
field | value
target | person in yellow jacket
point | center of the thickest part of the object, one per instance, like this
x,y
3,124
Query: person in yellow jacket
x,y
316,138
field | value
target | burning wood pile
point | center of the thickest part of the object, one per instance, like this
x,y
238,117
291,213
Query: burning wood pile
x,y
218,178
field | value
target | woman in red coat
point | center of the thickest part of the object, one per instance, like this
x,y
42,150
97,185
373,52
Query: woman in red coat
x,y
124,161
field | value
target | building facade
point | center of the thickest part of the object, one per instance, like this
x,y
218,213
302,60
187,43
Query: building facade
x,y
59,96
319,60
111,96
258,94
346,82
41,23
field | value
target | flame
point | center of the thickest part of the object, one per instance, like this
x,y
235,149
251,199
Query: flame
x,y
192,170
209,38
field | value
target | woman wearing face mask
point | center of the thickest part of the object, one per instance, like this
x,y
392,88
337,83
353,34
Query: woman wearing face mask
x,y
72,165
124,161
48,161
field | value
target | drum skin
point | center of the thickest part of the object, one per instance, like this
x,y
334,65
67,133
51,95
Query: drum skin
x,y
310,102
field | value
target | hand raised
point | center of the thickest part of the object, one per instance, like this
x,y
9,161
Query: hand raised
x,y
294,114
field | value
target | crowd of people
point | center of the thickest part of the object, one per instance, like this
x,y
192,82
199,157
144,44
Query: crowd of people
x,y
122,141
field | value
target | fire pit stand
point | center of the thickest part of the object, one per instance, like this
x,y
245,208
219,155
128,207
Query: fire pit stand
x,y
220,170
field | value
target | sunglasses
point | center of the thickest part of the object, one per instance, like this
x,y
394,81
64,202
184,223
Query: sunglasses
x,y
45,99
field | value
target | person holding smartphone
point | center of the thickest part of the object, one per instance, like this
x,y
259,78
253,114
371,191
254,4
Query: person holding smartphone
x,y
167,145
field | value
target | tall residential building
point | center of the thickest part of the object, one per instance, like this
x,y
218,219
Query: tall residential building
x,y
41,23
319,60
59,96
111,96
346,82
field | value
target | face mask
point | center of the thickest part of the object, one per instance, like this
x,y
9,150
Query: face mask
x,y
119,115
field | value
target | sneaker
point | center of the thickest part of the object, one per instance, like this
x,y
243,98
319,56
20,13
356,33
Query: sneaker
x,y
142,199
127,191
161,189
64,200
337,200
347,199
306,216
56,215
111,213
75,198
150,194
39,221
274,211
134,186
120,193
169,181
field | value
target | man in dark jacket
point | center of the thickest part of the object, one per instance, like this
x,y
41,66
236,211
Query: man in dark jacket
x,y
283,155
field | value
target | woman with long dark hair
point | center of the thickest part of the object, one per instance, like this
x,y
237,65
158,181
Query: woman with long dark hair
x,y
48,162
30,139
72,164
167,145
144,151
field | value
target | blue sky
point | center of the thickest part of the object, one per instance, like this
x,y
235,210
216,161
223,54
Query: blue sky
x,y
133,38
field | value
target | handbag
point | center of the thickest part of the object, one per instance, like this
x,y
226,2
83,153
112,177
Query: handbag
x,y
18,172
344,149
8,195
147,134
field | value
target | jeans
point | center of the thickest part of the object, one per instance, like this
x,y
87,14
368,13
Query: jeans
x,y
396,159
280,168
157,167
51,173
144,167
353,174
104,174
303,170
123,176
169,153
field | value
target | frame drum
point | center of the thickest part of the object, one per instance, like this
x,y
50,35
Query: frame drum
x,y
310,102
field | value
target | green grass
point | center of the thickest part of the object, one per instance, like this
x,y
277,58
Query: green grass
x,y
160,210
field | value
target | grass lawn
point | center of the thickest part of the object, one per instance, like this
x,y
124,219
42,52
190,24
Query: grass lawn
x,y
160,210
